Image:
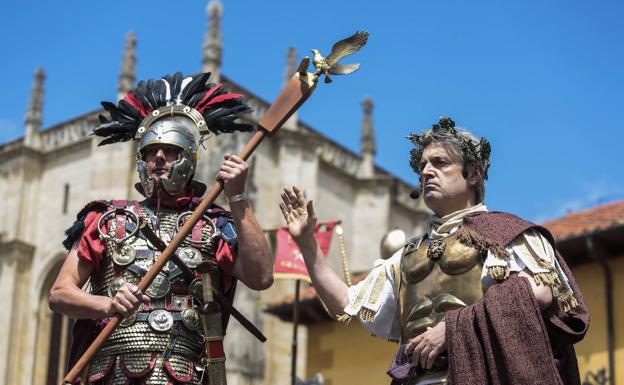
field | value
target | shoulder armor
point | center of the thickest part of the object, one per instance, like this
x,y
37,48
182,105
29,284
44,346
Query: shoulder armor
x,y
412,244
502,227
223,221
76,229
99,205
227,231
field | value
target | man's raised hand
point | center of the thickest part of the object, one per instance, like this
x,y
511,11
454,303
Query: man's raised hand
x,y
298,212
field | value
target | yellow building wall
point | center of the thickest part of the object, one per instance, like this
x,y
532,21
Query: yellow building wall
x,y
348,354
592,351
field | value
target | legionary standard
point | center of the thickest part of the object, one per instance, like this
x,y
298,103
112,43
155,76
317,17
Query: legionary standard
x,y
172,252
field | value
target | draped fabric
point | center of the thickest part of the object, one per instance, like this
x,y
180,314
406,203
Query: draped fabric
x,y
504,335
504,339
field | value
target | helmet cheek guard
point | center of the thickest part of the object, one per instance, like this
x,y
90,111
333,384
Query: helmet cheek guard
x,y
147,181
181,173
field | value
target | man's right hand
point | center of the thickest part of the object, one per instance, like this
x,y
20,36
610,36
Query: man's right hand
x,y
426,347
127,300
301,220
298,213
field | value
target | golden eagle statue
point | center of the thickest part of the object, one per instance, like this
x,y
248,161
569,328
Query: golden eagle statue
x,y
345,47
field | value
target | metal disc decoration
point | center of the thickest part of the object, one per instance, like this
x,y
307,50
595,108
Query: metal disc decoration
x,y
160,320
129,320
116,284
190,319
196,289
190,256
159,287
124,255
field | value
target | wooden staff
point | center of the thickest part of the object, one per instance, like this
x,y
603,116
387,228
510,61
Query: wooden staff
x,y
294,93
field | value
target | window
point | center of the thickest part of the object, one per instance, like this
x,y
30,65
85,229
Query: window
x,y
65,198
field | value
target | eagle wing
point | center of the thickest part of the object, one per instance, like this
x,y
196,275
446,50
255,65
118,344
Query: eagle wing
x,y
346,47
343,69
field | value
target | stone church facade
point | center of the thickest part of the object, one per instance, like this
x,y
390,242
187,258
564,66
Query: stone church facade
x,y
51,172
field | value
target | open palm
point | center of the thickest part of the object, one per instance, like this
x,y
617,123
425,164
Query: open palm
x,y
298,213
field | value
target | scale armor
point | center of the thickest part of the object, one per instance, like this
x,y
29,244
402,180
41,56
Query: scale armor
x,y
136,350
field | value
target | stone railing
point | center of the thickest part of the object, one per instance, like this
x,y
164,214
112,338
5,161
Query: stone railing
x,y
339,157
402,195
10,146
68,133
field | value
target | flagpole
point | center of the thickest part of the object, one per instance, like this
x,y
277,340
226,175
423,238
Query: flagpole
x,y
293,365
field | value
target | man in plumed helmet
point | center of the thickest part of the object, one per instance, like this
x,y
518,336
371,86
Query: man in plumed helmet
x,y
161,339
481,298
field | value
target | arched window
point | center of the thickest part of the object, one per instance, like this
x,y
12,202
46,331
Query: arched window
x,y
53,338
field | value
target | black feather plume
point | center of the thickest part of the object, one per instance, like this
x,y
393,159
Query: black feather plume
x,y
198,83
160,92
176,85
151,93
218,111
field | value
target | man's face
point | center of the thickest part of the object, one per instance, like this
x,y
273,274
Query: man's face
x,y
445,189
159,159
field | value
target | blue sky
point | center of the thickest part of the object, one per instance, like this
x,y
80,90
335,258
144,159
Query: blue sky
x,y
541,79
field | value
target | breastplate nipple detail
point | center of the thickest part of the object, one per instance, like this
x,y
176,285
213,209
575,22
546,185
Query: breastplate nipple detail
x,y
436,249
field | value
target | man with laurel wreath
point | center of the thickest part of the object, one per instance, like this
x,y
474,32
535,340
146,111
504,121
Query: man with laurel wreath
x,y
481,298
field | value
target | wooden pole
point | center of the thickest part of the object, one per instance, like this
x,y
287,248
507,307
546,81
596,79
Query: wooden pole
x,y
293,363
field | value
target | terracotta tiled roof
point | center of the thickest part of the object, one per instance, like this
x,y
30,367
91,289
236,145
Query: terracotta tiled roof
x,y
597,218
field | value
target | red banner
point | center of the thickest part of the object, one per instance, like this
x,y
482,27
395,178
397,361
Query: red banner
x,y
289,263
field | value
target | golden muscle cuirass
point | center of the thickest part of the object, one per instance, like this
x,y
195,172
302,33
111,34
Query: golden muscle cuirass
x,y
436,276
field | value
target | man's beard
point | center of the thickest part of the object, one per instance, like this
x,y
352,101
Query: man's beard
x,y
165,175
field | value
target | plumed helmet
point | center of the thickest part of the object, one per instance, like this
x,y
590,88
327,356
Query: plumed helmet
x,y
174,110
175,130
